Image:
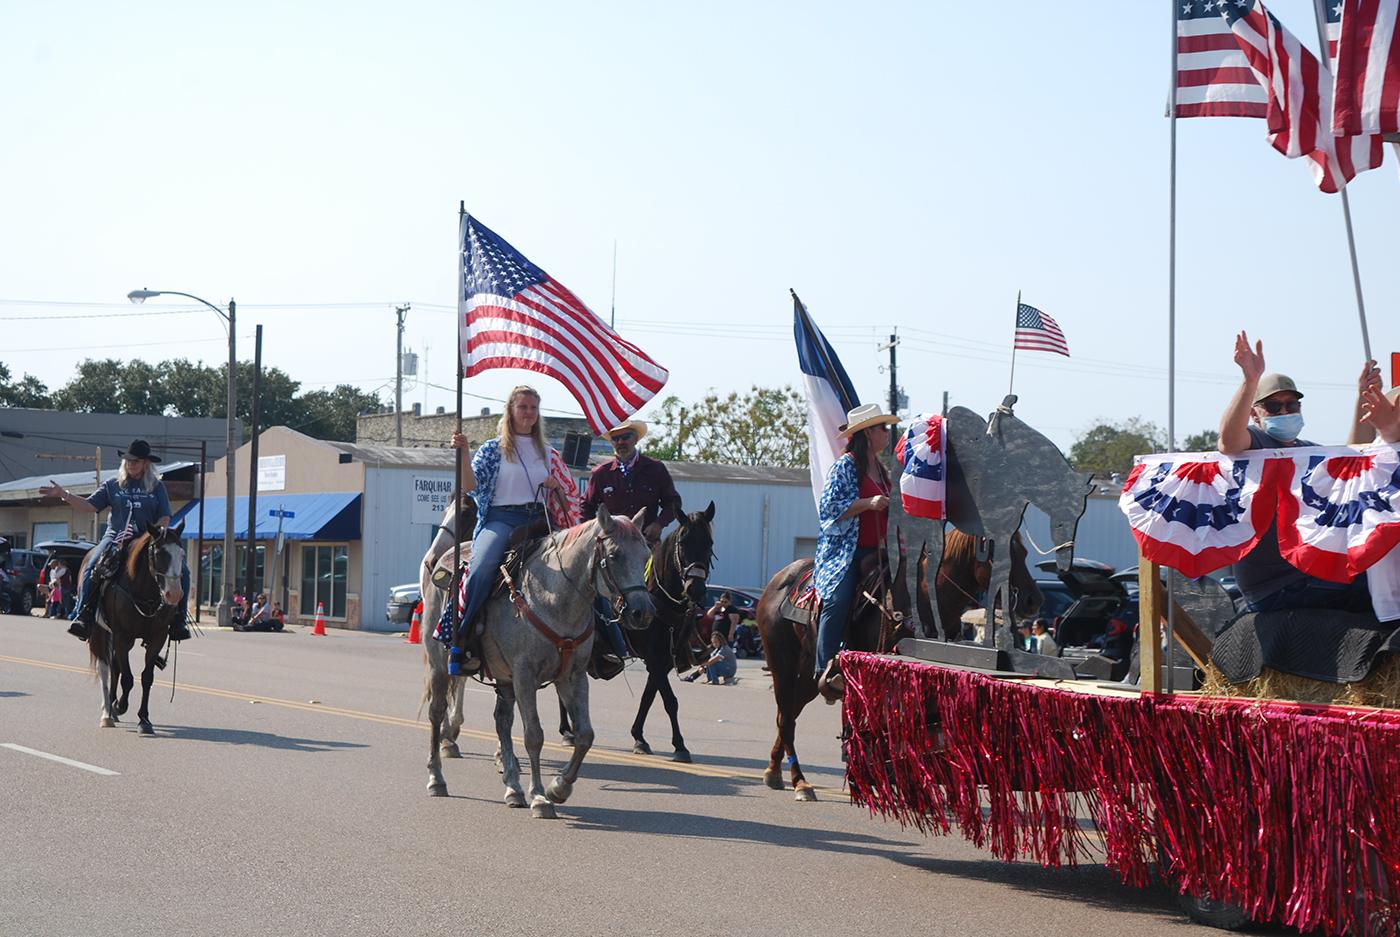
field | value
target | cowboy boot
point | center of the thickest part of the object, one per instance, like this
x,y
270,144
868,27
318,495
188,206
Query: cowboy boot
x,y
179,628
465,657
84,614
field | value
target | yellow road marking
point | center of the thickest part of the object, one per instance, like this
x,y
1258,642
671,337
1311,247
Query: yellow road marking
x,y
603,754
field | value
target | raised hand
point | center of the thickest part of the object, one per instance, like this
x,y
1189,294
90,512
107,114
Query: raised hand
x,y
52,490
1370,378
1381,412
1250,360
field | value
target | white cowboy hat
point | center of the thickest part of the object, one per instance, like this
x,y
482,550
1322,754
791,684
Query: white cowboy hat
x,y
863,417
635,426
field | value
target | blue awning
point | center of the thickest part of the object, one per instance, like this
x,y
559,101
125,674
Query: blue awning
x,y
332,515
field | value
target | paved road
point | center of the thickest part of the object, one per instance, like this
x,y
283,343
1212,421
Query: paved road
x,y
284,794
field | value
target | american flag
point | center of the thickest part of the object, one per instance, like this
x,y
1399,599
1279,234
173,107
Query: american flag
x,y
514,315
1213,77
1300,97
1035,331
1366,61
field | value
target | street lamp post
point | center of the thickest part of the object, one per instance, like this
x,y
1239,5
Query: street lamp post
x,y
224,609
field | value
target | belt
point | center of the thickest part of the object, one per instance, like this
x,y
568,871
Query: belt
x,y
533,507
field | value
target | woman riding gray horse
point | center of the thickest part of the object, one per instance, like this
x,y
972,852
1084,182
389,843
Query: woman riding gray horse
x,y
138,500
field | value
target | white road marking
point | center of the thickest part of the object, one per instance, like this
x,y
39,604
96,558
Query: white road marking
x,y
58,758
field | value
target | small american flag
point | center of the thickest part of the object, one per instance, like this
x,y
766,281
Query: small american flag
x,y
1365,53
1300,97
1035,331
514,315
1213,77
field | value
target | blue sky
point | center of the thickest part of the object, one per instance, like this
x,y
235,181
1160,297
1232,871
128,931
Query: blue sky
x,y
909,165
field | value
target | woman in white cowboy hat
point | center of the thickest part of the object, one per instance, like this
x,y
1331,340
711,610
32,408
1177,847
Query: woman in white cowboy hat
x,y
138,499
853,516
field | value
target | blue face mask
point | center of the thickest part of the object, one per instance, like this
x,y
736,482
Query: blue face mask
x,y
1285,427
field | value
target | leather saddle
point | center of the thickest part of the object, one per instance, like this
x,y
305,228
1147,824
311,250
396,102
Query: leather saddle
x,y
801,605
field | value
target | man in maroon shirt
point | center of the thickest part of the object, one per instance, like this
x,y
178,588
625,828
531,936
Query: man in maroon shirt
x,y
632,482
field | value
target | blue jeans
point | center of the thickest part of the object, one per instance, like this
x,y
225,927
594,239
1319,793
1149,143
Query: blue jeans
x,y
1354,596
607,625
725,669
488,549
836,611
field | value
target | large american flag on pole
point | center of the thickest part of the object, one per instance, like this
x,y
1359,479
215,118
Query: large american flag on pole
x,y
1035,331
511,314
1300,96
1213,77
1365,54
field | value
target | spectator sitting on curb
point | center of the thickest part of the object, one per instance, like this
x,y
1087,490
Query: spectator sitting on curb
x,y
722,665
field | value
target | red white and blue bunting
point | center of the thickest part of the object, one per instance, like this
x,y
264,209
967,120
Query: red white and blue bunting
x,y
923,453
1338,509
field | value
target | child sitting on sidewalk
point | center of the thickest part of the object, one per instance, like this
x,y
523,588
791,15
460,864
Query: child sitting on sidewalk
x,y
721,666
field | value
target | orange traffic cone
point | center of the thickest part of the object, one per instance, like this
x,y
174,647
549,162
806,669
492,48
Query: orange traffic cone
x,y
320,619
415,632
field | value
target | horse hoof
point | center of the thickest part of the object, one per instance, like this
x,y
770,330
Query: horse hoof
x,y
450,750
568,737
682,755
120,709
559,791
107,722
640,747
145,728
542,809
437,788
515,799
774,779
806,793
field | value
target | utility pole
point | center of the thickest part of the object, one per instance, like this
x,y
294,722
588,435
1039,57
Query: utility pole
x,y
95,459
251,556
894,383
401,313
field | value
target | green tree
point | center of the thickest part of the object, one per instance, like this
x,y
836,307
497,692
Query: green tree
x,y
1109,447
765,426
1204,441
29,391
331,413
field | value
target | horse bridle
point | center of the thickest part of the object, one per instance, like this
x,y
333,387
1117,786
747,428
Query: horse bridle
x,y
160,579
600,564
693,571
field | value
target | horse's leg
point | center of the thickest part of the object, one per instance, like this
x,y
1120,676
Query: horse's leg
x,y
510,766
128,679
148,677
437,690
456,712
788,730
639,743
566,731
573,693
109,691
782,695
527,701
673,709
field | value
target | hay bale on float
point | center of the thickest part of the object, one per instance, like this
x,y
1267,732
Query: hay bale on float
x,y
1320,656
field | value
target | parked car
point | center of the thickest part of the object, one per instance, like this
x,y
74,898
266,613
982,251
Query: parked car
x,y
745,603
1083,604
71,554
402,601
23,567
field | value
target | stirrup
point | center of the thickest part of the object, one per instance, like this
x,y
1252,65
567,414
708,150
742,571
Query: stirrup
x,y
180,631
78,629
442,578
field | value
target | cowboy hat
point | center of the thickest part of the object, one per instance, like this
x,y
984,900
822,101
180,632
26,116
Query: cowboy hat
x,y
863,417
139,449
635,426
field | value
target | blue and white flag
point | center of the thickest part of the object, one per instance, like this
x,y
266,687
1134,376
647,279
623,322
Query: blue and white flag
x,y
829,396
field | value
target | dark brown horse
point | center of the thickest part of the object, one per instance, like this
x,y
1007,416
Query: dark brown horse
x,y
137,604
790,647
680,564
962,581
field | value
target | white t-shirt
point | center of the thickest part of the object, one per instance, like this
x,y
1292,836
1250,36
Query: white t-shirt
x,y
518,480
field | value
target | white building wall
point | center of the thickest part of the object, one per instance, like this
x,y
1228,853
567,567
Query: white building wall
x,y
393,544
757,527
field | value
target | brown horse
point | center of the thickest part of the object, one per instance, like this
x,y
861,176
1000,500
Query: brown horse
x,y
962,579
137,604
790,648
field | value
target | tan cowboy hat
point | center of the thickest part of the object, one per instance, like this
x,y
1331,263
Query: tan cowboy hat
x,y
636,426
863,417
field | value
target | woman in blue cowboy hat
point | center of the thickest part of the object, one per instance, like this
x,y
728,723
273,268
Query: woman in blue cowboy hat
x,y
138,499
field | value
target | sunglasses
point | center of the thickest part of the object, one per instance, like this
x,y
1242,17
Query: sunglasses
x,y
1275,407
624,437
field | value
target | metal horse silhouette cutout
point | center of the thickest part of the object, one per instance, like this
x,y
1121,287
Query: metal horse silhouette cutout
x,y
994,472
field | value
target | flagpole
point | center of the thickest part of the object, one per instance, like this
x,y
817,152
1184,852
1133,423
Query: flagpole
x,y
1325,57
821,351
1171,336
457,477
1012,383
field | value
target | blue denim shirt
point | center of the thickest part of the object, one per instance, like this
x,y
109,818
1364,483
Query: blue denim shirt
x,y
132,505
836,543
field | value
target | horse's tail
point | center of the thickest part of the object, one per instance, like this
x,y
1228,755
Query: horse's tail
x,y
99,645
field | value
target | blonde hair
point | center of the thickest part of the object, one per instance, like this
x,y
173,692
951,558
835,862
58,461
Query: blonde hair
x,y
503,431
149,479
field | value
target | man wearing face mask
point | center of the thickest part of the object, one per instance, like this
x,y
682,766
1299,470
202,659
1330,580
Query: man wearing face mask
x,y
1267,413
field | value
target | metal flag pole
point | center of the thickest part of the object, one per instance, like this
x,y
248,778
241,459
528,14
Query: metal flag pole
x,y
1012,383
1171,332
457,479
1325,55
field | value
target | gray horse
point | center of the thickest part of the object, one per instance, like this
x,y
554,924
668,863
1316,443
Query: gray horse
x,y
994,473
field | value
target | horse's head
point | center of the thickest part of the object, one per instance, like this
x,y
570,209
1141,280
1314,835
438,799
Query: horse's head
x,y
1064,513
620,558
166,558
690,548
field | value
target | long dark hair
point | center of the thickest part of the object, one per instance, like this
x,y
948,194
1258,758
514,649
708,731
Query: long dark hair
x,y
859,448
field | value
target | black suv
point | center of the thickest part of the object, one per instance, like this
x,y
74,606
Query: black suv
x,y
22,580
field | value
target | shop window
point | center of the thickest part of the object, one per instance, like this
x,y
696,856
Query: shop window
x,y
259,559
324,574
